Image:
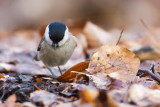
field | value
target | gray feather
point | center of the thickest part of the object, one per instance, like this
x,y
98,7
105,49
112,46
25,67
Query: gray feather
x,y
40,44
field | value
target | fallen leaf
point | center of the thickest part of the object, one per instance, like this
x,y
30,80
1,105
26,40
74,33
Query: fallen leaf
x,y
97,37
65,105
10,102
89,96
104,100
119,95
7,67
39,79
101,82
115,61
69,76
143,96
26,104
147,81
43,97
70,104
96,98
1,76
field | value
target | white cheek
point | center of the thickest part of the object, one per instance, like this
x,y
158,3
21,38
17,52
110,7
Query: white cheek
x,y
47,38
66,37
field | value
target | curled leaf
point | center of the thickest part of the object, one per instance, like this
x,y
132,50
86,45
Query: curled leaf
x,y
69,76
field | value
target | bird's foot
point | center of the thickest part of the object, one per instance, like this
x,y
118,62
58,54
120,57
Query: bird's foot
x,y
52,72
60,70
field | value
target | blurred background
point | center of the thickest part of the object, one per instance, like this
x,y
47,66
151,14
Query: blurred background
x,y
33,14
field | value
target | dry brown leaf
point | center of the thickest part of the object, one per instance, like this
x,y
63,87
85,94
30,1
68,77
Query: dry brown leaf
x,y
97,37
119,95
143,96
100,81
10,102
89,96
26,104
96,98
80,67
147,81
7,67
39,79
111,102
115,61
1,76
69,104
44,97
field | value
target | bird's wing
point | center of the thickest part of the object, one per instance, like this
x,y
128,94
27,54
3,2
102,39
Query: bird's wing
x,y
75,39
39,46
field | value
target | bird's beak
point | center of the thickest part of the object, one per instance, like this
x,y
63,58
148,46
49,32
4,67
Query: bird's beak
x,y
55,45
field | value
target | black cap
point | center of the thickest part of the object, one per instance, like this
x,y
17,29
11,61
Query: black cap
x,y
56,31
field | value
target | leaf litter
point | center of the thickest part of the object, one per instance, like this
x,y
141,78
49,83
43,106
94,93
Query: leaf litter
x,y
114,76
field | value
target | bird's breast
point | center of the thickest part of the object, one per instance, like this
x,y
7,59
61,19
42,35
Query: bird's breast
x,y
59,56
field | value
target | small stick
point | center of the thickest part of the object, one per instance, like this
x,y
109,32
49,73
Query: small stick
x,y
36,87
149,72
3,93
120,36
144,24
79,72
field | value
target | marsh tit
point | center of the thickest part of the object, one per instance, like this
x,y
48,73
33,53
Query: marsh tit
x,y
56,46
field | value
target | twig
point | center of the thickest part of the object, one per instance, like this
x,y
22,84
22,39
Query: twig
x,y
3,93
120,36
36,87
149,72
80,73
144,24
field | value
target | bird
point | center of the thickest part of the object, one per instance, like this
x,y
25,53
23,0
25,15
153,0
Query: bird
x,y
56,46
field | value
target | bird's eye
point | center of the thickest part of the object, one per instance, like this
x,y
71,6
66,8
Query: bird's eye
x,y
50,36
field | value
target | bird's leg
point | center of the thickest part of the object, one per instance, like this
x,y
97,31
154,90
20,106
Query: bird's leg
x,y
51,72
60,70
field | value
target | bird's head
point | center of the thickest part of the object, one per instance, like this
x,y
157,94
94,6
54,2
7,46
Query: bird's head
x,y
56,34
